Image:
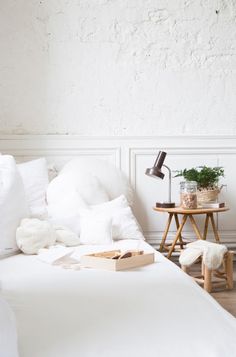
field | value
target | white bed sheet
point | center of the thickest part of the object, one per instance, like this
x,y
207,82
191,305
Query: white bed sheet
x,y
8,336
153,311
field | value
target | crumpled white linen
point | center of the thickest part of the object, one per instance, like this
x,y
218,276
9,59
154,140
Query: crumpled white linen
x,y
66,236
59,255
212,254
34,234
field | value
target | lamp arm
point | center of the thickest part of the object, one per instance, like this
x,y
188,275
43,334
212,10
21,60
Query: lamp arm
x,y
169,170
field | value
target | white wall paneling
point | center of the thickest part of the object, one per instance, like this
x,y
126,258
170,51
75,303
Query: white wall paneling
x,y
133,155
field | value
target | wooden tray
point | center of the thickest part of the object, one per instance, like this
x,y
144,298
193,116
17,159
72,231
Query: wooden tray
x,y
106,261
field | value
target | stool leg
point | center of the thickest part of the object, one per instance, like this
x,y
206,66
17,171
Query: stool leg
x,y
202,268
185,268
229,270
207,279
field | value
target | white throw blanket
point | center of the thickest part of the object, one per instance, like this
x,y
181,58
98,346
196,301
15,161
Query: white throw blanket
x,y
34,234
212,254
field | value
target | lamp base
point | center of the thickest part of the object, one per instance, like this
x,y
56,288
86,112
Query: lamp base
x,y
165,204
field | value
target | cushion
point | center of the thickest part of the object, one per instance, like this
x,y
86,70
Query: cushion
x,y
117,203
65,211
67,194
87,186
109,176
96,228
13,204
124,223
34,234
35,178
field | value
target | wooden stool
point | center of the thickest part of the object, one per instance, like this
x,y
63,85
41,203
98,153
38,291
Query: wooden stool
x,y
215,278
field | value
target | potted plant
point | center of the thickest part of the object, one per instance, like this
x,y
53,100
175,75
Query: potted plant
x,y
207,179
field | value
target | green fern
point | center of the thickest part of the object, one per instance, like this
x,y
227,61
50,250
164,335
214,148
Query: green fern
x,y
206,177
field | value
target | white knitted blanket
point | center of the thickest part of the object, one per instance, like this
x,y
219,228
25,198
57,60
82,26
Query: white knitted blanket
x,y
212,254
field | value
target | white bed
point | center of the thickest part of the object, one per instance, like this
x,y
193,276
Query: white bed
x,y
155,310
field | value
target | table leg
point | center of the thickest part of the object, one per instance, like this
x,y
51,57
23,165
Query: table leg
x,y
217,238
206,226
177,235
177,226
192,220
166,232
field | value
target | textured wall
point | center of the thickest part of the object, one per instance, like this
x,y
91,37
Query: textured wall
x,y
118,67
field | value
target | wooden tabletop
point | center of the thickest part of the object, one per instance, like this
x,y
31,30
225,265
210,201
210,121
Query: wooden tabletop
x,y
180,210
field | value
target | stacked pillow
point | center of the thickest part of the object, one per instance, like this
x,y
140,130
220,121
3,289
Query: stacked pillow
x,y
34,175
83,197
13,204
80,198
22,194
78,205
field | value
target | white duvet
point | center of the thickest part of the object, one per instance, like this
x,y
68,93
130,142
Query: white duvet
x,y
153,311
8,336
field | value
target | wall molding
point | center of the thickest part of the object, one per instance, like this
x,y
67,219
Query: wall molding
x,y
132,155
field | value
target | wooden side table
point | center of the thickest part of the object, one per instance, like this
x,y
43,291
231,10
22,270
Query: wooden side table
x,y
186,213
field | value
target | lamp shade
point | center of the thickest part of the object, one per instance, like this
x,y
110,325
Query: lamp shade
x,y
155,171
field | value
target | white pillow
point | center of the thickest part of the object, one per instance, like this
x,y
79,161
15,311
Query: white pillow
x,y
124,223
65,211
13,204
87,186
34,234
96,228
108,175
35,178
67,194
113,205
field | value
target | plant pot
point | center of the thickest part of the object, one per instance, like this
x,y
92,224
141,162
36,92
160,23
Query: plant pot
x,y
205,195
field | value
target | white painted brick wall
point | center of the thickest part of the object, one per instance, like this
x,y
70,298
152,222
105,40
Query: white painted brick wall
x,y
118,67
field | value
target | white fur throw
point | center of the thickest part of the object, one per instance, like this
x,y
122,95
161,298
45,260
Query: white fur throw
x,y
34,234
212,254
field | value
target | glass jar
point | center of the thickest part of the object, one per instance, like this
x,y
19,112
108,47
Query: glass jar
x,y
188,194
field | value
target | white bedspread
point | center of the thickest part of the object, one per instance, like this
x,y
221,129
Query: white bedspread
x,y
154,311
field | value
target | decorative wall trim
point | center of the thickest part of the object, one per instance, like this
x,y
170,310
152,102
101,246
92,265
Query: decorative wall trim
x,y
132,155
